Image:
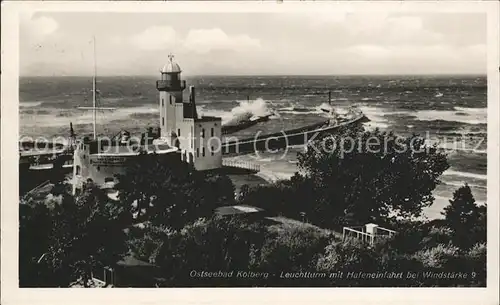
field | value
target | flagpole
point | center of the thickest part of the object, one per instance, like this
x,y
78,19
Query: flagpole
x,y
94,94
94,107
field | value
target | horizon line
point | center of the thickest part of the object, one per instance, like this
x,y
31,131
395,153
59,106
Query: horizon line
x,y
271,75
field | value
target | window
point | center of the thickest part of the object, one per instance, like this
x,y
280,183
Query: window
x,y
178,132
212,149
162,121
162,102
197,153
192,135
78,169
211,132
98,168
170,98
203,133
108,179
203,152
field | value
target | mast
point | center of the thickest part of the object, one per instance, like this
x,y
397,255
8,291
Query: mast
x,y
94,114
94,107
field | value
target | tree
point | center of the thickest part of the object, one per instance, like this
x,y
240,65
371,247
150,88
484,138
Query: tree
x,y
212,245
295,249
285,197
35,225
145,241
170,192
86,235
370,176
465,218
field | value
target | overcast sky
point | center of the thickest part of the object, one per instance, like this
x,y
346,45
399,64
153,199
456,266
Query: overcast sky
x,y
253,43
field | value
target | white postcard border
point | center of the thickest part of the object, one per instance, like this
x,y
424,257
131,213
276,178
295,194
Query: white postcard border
x,y
11,294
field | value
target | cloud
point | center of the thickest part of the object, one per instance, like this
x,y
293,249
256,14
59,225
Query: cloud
x,y
374,28
206,40
418,59
201,41
386,31
155,38
370,51
36,29
476,50
322,18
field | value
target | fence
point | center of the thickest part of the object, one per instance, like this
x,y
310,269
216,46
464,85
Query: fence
x,y
360,233
242,164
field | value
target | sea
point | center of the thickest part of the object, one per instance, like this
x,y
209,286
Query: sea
x,y
450,111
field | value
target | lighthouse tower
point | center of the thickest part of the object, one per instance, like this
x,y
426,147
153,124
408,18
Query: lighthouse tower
x,y
198,137
170,89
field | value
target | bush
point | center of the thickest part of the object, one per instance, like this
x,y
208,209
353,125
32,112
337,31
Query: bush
x,y
476,259
439,257
436,236
216,244
292,250
350,256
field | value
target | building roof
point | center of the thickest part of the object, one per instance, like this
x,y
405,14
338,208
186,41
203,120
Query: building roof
x,y
171,66
237,209
208,119
131,261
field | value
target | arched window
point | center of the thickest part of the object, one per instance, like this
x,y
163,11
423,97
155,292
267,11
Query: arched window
x,y
78,169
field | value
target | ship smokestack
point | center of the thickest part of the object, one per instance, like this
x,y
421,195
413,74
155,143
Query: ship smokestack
x,y
192,100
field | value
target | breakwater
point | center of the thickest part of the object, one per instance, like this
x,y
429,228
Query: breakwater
x,y
281,140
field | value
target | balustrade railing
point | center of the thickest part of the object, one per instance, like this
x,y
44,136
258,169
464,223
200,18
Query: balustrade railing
x,y
242,164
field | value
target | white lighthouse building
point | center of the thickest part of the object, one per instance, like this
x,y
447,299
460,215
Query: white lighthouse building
x,y
198,137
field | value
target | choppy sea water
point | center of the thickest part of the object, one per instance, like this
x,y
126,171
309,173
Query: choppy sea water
x,y
449,110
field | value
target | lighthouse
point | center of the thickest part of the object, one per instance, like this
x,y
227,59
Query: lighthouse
x,y
198,137
171,89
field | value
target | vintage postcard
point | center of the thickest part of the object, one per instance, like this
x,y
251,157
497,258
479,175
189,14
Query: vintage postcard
x,y
236,145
